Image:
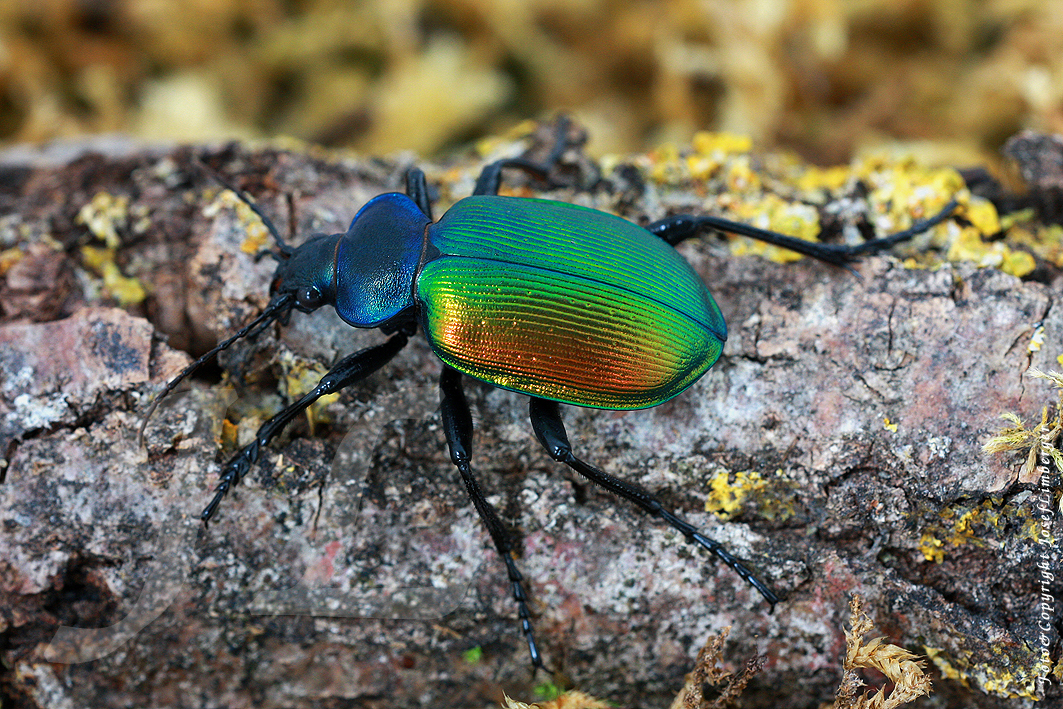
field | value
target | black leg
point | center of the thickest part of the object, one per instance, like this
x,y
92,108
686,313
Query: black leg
x,y
491,176
349,370
550,430
684,226
417,190
457,427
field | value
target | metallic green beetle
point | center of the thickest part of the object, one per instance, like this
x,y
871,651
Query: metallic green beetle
x,y
559,302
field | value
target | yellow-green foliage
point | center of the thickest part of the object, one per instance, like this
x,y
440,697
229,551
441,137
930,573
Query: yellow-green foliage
x,y
1041,441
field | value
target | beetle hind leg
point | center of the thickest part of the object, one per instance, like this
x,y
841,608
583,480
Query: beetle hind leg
x,y
457,427
550,430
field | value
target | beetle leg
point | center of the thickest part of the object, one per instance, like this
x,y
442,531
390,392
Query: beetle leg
x,y
490,178
550,430
681,227
417,190
457,427
349,370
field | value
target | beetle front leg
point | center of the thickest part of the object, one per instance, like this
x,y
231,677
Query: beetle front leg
x,y
550,430
457,427
349,370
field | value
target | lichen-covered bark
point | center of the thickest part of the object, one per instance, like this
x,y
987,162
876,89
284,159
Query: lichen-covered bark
x,y
841,433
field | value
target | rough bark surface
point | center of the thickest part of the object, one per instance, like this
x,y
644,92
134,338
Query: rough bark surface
x,y
350,569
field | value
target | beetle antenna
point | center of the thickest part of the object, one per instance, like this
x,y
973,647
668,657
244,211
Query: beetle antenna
x,y
276,309
285,248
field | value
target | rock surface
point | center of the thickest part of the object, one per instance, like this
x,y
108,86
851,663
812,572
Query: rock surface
x,y
845,420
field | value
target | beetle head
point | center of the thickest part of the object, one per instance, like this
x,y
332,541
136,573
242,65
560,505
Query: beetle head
x,y
307,275
303,280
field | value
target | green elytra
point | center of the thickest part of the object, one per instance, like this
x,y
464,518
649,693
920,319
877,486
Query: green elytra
x,y
565,303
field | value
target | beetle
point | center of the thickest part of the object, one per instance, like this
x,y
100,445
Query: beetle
x,y
559,302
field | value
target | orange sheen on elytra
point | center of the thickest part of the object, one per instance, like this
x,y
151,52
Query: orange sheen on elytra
x,y
565,303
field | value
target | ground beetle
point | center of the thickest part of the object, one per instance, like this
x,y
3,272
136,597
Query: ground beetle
x,y
562,303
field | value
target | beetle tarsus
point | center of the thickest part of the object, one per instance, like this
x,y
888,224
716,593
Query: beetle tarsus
x,y
731,560
550,431
457,428
234,471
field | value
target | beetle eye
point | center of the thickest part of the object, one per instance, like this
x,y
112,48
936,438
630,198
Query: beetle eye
x,y
308,298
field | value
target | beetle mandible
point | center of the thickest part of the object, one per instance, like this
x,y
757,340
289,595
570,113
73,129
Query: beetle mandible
x,y
562,303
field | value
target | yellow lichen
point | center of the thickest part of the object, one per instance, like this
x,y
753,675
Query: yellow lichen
x,y
780,193
1020,683
104,216
961,524
1032,530
938,658
258,236
1045,242
666,167
728,491
229,433
931,547
9,257
983,215
125,290
720,144
1018,263
1037,339
1017,684
779,215
713,150
831,179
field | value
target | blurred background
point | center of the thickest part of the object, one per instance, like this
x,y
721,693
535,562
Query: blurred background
x,y
948,79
